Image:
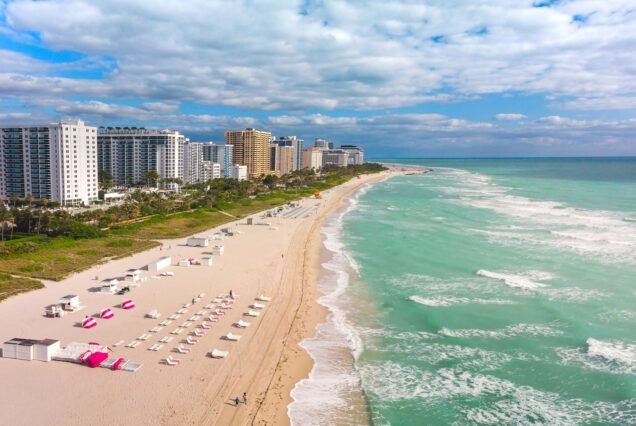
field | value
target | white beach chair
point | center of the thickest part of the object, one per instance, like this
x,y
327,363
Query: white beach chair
x,y
213,318
209,306
171,361
177,330
156,329
198,332
257,305
121,342
201,312
166,339
165,322
252,313
174,316
205,325
216,353
182,349
262,298
242,324
232,337
191,340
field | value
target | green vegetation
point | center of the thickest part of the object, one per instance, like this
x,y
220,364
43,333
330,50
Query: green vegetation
x,y
10,285
53,244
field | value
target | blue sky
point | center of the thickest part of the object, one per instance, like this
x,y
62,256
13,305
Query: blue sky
x,y
401,78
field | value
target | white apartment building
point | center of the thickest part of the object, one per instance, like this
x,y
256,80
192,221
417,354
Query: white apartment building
x,y
210,170
129,152
239,172
312,158
335,157
193,162
57,162
356,154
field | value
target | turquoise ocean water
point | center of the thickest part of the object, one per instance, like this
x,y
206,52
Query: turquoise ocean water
x,y
485,292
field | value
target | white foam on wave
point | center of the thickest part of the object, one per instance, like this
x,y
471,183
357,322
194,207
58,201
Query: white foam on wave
x,y
500,401
602,234
327,390
504,333
445,301
617,315
609,356
526,281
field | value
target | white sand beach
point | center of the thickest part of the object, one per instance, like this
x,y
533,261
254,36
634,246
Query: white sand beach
x,y
280,261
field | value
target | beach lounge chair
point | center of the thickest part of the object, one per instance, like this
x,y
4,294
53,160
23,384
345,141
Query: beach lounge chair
x,y
201,312
165,322
133,344
213,318
209,306
172,361
242,324
257,305
121,342
191,340
194,318
154,314
177,330
182,349
252,313
201,296
166,339
152,348
156,329
205,325
219,312
262,298
174,317
198,332
216,353
232,337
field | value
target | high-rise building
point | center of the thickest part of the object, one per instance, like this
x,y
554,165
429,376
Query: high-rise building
x,y
239,172
312,158
219,153
356,154
298,145
251,149
57,162
335,157
127,153
323,144
193,162
282,158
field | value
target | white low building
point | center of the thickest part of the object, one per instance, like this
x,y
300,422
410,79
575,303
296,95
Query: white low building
x,y
239,172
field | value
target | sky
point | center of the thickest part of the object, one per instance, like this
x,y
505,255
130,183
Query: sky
x,y
437,78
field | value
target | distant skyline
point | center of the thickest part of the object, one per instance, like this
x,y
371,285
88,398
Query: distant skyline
x,y
442,78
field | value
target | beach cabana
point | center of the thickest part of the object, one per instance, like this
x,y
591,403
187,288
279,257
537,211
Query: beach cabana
x,y
43,350
128,304
197,242
218,250
70,302
107,313
109,286
89,322
54,311
159,264
206,261
132,276
185,263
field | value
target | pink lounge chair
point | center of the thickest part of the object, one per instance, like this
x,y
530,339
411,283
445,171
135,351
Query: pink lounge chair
x,y
172,361
213,318
199,333
191,340
206,326
182,349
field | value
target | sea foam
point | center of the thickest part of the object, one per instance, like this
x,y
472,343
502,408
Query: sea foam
x,y
526,281
445,301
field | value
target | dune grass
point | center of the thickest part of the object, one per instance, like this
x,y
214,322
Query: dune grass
x,y
10,285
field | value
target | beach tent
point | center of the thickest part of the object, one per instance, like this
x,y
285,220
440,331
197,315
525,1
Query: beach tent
x,y
133,276
159,264
107,313
89,322
96,358
128,304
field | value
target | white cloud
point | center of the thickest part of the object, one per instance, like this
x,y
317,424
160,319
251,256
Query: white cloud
x,y
510,117
367,56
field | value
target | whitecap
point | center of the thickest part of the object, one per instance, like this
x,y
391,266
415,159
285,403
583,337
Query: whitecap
x,y
503,333
610,356
445,301
527,281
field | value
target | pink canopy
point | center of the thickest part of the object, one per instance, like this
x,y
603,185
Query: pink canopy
x,y
96,359
89,322
128,304
107,313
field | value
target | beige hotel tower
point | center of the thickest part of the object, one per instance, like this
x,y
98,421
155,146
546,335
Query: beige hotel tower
x,y
251,149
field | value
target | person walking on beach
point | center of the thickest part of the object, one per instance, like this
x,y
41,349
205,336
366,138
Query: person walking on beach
x,y
245,398
237,401
231,295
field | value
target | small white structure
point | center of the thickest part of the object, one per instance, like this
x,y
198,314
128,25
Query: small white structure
x,y
43,350
217,353
185,263
54,311
109,286
238,172
159,264
70,302
197,242
206,261
133,276
218,250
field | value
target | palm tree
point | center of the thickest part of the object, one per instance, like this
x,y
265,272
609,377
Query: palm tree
x,y
151,175
29,199
14,198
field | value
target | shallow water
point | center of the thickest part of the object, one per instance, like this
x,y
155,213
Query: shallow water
x,y
486,292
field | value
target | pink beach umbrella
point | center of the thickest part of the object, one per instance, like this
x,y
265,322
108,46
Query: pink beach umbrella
x,y
107,313
128,304
89,322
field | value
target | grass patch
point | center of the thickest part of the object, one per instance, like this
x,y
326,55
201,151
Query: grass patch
x,y
10,286
55,258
